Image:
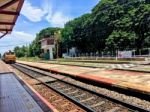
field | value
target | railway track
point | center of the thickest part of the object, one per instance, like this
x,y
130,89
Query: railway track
x,y
58,101
87,99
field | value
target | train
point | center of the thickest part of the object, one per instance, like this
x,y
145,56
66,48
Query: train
x,y
9,57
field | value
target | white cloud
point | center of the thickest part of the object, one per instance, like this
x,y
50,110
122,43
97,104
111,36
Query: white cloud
x,y
47,7
46,12
16,38
23,35
34,14
57,19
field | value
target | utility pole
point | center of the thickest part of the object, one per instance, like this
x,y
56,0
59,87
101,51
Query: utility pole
x,y
57,38
57,49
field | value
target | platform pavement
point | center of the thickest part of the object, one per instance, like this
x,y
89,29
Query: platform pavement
x,y
3,67
96,65
123,79
120,66
14,98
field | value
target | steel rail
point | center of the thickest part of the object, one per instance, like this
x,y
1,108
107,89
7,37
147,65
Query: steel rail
x,y
130,106
61,93
130,92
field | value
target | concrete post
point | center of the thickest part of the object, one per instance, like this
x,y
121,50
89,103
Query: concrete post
x,y
133,53
51,53
116,54
140,52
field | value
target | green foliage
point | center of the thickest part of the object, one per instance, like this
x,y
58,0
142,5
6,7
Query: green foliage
x,y
111,25
34,59
21,51
46,33
34,49
119,39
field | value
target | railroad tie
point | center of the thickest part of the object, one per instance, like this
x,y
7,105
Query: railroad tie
x,y
87,99
75,110
115,109
80,95
64,105
65,89
72,92
52,96
58,100
58,87
57,84
97,104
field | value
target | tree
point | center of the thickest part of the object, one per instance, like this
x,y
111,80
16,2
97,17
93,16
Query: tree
x,y
35,47
20,51
119,39
111,25
142,24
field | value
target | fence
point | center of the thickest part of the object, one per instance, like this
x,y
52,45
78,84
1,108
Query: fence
x,y
137,55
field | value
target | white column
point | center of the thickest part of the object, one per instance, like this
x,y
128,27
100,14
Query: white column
x,y
51,53
116,54
140,52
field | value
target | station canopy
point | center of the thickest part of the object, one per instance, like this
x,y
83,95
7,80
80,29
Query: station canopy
x,y
9,12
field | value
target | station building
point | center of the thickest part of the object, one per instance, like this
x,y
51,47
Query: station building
x,y
47,46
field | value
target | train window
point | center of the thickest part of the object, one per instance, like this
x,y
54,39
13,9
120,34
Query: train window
x,y
9,53
12,53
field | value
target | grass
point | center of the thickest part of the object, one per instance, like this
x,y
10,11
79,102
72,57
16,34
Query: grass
x,y
29,59
77,63
87,60
76,60
147,69
93,61
90,63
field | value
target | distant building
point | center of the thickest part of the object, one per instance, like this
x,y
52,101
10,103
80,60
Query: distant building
x,y
72,52
47,45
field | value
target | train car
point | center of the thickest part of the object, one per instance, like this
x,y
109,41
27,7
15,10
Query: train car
x,y
9,57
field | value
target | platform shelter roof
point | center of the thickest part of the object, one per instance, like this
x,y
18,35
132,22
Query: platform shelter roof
x,y
9,12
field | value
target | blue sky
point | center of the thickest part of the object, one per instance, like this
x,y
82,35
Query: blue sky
x,y
38,14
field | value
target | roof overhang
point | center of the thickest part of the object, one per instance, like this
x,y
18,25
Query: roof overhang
x,y
9,12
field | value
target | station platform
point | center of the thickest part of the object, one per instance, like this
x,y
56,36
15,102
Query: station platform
x,y
136,81
3,67
17,96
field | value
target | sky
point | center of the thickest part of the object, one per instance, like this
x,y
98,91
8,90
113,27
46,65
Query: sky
x,y
36,15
